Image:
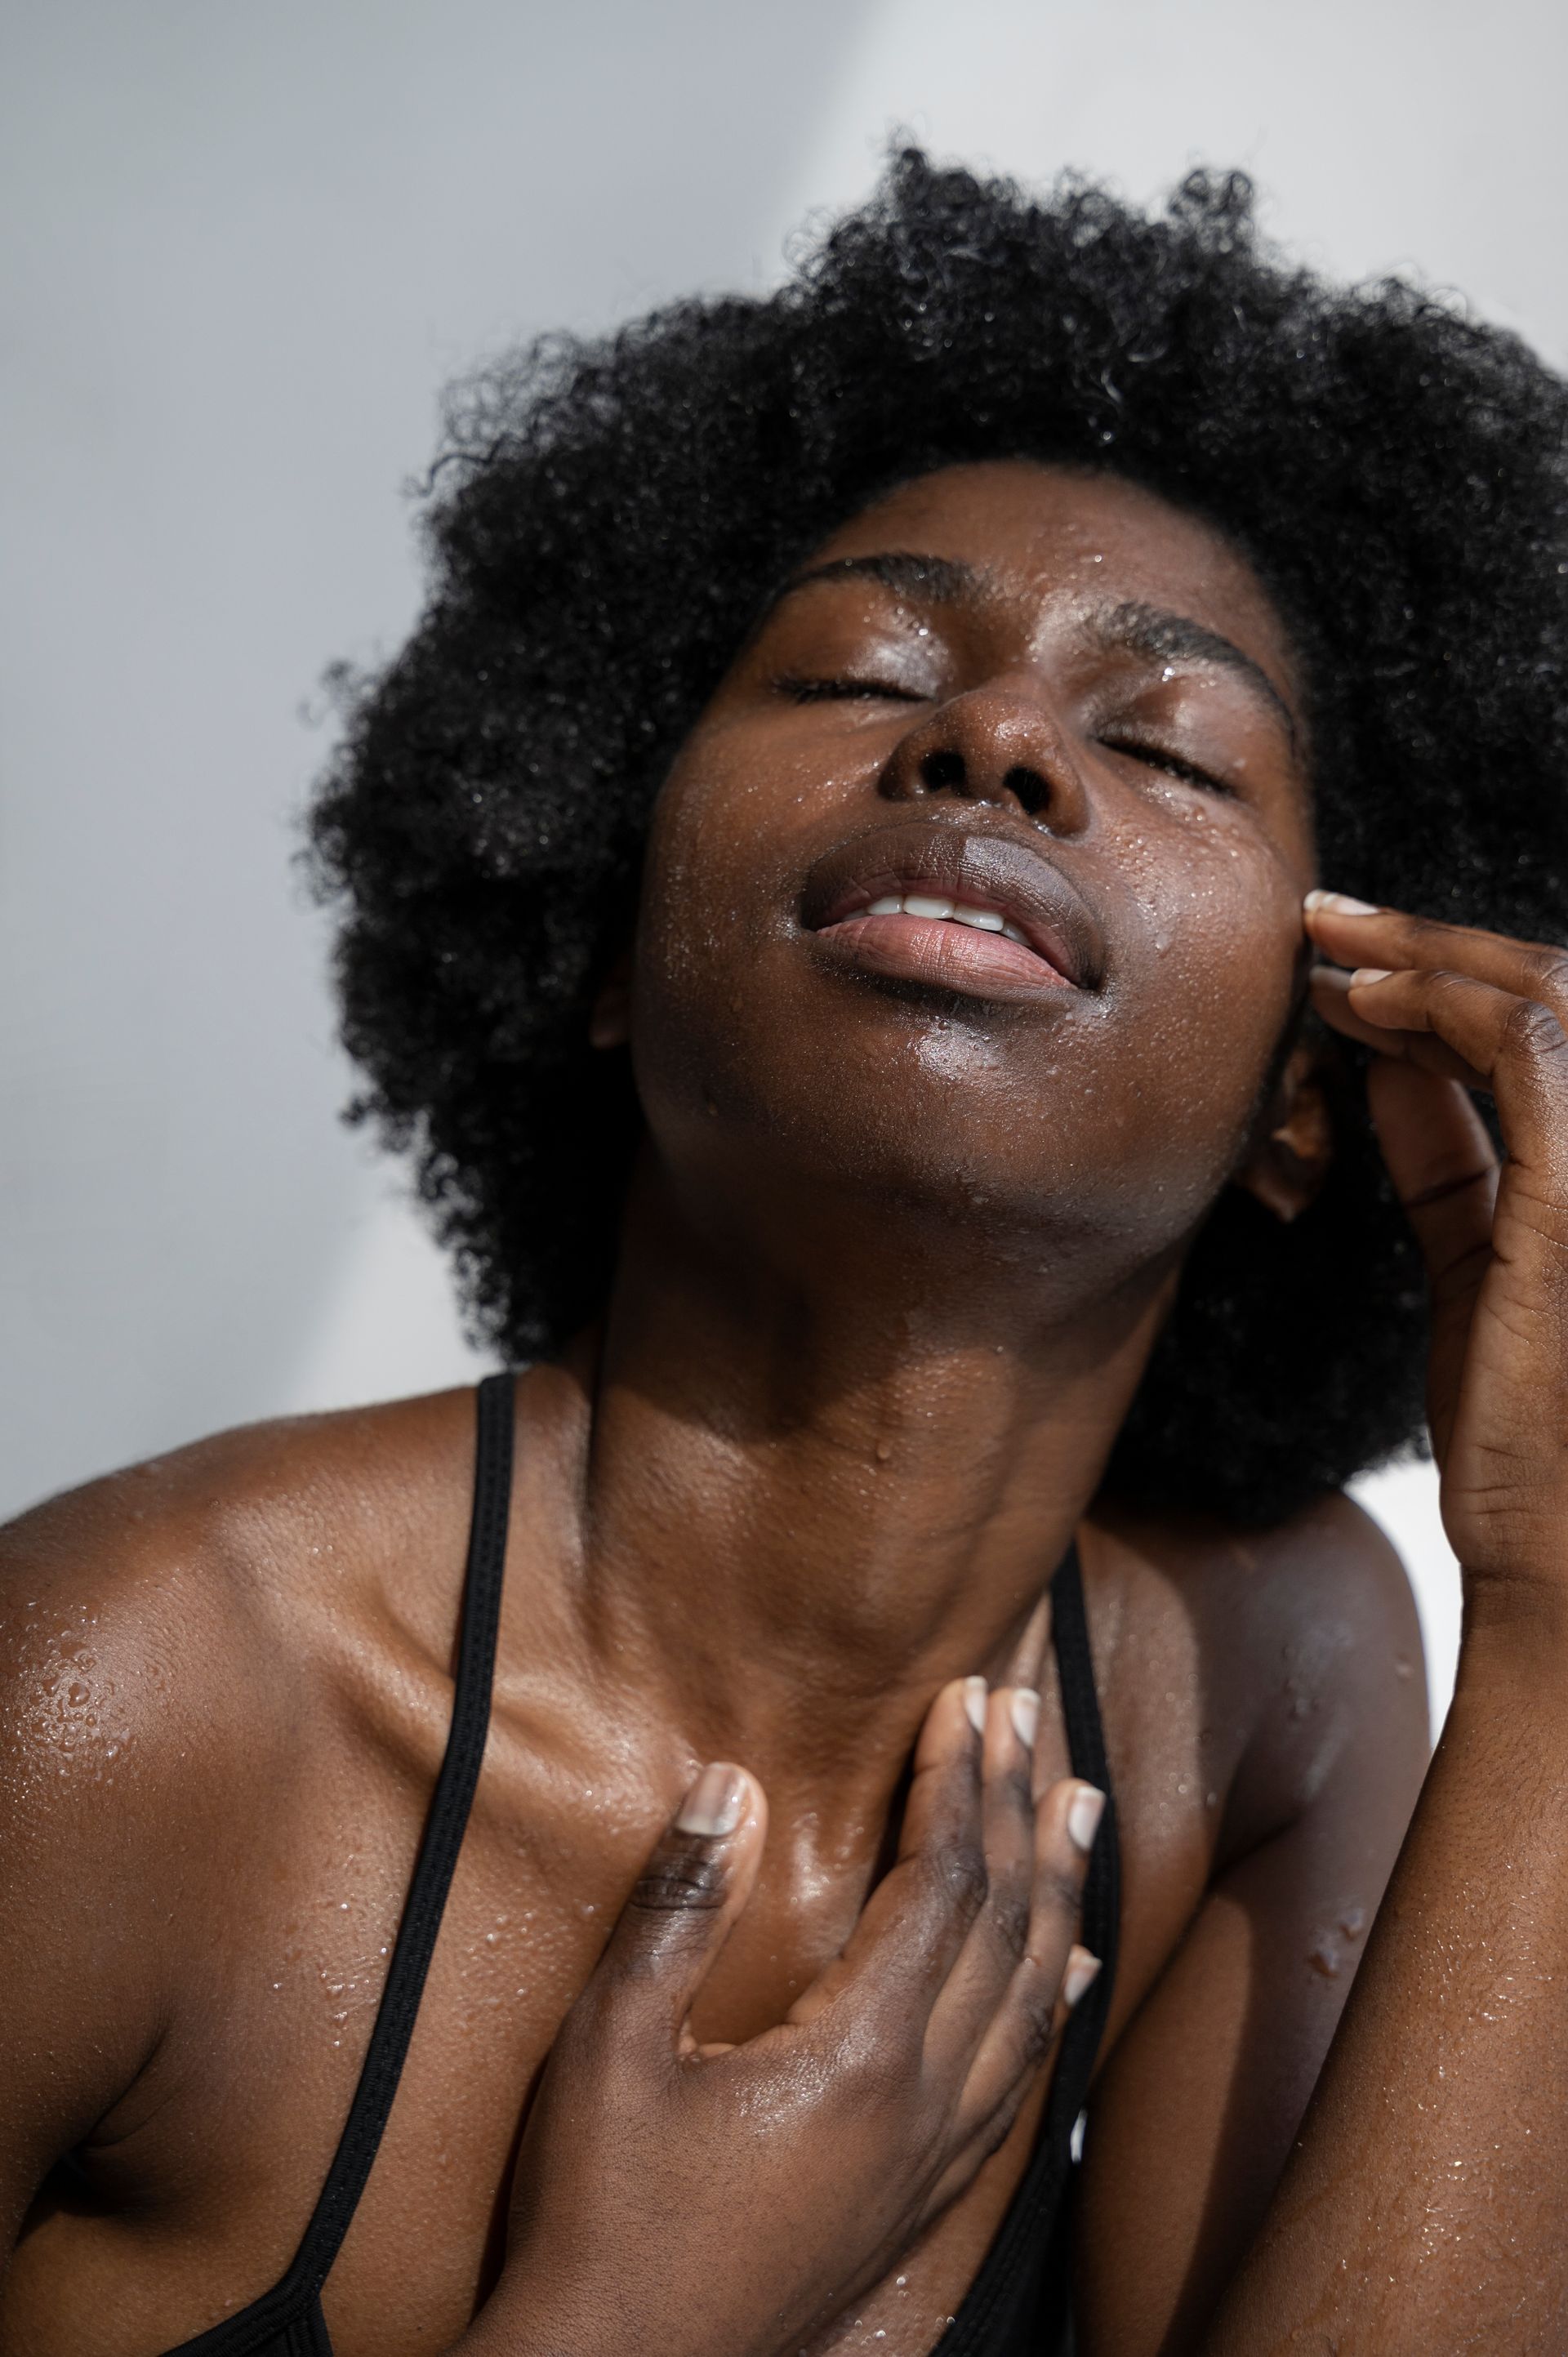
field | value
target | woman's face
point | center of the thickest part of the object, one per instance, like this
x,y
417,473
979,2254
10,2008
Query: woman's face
x,y
1065,710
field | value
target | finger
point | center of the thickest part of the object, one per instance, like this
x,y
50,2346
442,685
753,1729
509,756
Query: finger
x,y
1331,986
1443,1167
916,1920
999,1935
1352,933
1515,1048
699,1876
1029,1661
1047,1982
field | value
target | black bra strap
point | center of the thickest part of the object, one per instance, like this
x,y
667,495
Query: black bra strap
x,y
1102,1890
1019,2297
438,1850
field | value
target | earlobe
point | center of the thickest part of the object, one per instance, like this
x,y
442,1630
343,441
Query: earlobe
x,y
609,1024
1289,1161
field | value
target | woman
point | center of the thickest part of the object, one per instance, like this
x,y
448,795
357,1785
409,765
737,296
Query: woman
x,y
832,892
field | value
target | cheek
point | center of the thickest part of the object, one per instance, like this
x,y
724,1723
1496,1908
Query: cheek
x,y
716,895
1223,945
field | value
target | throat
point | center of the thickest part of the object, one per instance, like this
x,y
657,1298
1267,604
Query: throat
x,y
791,1540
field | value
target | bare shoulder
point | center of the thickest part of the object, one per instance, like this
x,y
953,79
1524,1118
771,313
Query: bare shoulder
x,y
189,1555
157,1626
1295,1648
172,1642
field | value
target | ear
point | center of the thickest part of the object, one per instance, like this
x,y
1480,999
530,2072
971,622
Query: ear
x,y
1289,1157
609,1024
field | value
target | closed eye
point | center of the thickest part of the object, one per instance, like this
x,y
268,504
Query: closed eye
x,y
1157,757
841,691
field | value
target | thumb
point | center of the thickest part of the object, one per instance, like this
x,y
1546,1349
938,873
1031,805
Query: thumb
x,y
699,1876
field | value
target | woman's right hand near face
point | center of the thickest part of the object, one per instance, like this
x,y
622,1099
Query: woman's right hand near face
x,y
676,2201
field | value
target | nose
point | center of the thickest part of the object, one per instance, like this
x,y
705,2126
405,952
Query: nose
x,y
993,746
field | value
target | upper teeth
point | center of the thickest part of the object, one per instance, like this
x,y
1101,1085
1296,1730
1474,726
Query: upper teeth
x,y
927,904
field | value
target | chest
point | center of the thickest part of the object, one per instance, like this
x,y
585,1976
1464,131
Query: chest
x,y
288,1974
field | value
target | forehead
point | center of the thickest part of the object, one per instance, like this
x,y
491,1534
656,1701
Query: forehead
x,y
1062,540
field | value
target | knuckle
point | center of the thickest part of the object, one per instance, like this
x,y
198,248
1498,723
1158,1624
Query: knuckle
x,y
872,2064
1532,1030
1039,2024
1058,1890
679,1882
1009,1910
1549,970
961,1879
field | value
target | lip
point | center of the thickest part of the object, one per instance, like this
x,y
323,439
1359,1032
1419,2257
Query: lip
x,y
977,865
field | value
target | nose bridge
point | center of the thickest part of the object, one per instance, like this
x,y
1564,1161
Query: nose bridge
x,y
993,744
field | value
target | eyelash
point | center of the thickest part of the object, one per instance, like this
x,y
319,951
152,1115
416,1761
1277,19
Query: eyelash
x,y
845,691
1172,763
841,691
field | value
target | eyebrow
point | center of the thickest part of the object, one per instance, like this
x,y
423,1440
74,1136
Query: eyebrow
x,y
1132,628
929,580
1162,637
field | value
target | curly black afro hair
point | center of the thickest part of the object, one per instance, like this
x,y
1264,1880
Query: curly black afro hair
x,y
608,517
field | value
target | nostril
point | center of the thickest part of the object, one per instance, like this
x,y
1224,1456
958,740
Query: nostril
x,y
938,771
1028,789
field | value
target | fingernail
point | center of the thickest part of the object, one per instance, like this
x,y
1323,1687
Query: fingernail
x,y
1339,904
974,1702
1370,973
715,1802
1087,1808
1082,1969
1025,1715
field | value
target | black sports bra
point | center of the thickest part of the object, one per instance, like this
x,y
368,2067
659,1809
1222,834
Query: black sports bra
x,y
1017,2305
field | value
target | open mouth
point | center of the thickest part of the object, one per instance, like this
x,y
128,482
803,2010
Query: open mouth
x,y
978,913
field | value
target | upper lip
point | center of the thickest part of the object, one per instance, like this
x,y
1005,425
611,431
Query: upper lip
x,y
978,864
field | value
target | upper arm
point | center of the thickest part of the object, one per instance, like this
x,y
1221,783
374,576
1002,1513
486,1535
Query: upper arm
x,y
101,1730
1196,2111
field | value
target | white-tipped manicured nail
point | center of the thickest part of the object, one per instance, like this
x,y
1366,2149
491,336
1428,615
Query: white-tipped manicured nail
x,y
974,1702
1082,1970
1370,973
714,1805
1025,1715
1084,1812
1339,904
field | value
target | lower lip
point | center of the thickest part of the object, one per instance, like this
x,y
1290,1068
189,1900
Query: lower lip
x,y
948,956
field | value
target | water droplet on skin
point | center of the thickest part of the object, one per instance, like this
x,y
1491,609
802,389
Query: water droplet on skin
x,y
1403,1668
1325,1958
883,1452
1353,1922
77,1694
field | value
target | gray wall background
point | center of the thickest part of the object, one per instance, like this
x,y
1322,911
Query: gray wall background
x,y
242,248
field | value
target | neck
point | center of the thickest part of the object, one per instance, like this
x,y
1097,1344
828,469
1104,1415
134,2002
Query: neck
x,y
819,1482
